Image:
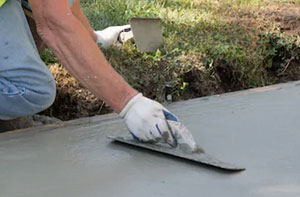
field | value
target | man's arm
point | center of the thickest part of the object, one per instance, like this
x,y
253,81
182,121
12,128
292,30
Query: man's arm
x,y
77,12
146,119
76,50
105,37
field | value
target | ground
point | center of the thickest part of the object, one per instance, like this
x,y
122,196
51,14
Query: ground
x,y
210,47
72,100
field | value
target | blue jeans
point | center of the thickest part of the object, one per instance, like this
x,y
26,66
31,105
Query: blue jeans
x,y
26,85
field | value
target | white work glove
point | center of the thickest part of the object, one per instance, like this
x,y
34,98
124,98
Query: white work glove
x,y
149,121
110,35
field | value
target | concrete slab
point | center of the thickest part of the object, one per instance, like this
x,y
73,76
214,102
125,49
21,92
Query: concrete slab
x,y
258,129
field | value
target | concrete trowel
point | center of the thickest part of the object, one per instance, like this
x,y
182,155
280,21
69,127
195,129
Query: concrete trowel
x,y
146,33
198,157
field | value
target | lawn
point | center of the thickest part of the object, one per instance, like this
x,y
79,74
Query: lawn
x,y
210,47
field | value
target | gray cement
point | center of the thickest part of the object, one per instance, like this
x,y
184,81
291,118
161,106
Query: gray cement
x,y
257,129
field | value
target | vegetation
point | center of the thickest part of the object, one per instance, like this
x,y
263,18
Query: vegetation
x,y
210,46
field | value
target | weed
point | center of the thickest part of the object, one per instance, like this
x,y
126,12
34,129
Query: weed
x,y
278,50
210,46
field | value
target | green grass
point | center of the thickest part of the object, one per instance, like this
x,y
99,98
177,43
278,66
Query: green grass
x,y
207,49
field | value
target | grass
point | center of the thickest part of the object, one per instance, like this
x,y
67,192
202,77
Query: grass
x,y
209,47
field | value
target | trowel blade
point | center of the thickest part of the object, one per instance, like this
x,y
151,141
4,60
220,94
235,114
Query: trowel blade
x,y
147,33
202,158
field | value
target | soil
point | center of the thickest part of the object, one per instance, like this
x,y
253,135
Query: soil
x,y
26,122
74,101
287,17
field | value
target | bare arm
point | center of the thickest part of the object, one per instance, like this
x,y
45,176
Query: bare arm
x,y
76,50
77,12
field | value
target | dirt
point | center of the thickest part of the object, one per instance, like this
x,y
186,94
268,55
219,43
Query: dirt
x,y
287,17
26,122
74,101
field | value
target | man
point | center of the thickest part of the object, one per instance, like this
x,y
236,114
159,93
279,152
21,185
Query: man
x,y
27,87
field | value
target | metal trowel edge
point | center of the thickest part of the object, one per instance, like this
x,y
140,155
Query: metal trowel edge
x,y
201,158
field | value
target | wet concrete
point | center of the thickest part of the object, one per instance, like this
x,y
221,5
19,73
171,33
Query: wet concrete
x,y
257,129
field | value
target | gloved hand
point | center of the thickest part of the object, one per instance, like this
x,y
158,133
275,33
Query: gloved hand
x,y
149,121
109,35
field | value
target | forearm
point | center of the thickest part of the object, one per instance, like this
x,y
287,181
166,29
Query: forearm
x,y
77,51
77,12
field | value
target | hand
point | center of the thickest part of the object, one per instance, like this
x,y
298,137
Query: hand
x,y
109,35
149,121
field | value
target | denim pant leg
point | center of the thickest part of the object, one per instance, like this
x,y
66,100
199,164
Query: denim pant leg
x,y
26,85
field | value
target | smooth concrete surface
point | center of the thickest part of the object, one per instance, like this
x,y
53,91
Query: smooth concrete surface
x,y
258,129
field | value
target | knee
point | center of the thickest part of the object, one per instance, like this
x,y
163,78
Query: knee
x,y
23,100
41,96
49,95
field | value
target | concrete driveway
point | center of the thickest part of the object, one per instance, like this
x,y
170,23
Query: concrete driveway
x,y
257,129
